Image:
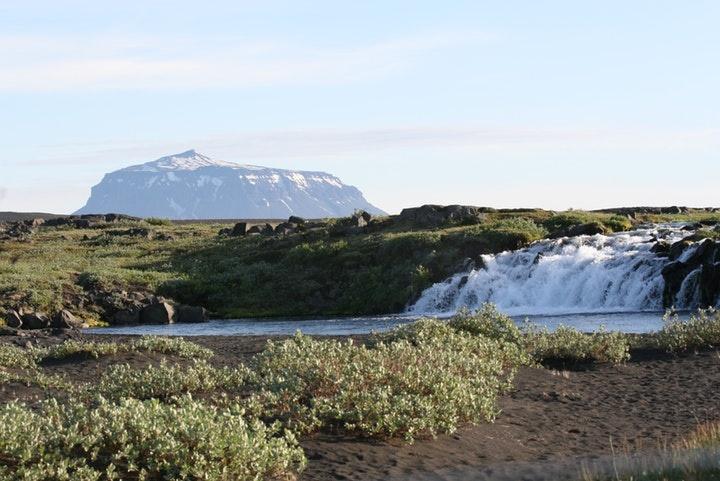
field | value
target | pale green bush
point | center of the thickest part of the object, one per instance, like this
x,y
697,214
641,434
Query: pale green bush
x,y
165,380
163,345
701,331
144,440
441,380
16,357
569,344
488,322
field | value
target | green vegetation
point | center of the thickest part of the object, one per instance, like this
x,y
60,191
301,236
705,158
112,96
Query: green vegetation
x,y
393,389
88,349
157,221
701,331
418,380
566,344
327,270
147,440
166,380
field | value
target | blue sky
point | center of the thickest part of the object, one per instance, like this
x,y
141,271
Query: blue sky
x,y
552,104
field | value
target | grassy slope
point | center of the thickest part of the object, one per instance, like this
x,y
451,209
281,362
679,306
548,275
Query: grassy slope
x,y
322,271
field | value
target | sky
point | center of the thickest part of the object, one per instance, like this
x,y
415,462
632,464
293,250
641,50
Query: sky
x,y
553,104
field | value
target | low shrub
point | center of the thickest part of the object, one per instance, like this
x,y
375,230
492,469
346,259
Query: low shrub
x,y
145,440
432,385
16,357
488,322
570,345
163,345
164,381
158,221
701,331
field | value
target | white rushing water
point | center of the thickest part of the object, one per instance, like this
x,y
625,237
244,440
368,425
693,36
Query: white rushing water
x,y
585,274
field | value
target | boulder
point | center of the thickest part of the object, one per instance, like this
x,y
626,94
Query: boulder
x,y
127,316
35,320
591,228
262,229
661,248
239,229
65,320
360,219
431,216
13,319
191,314
83,223
293,219
285,228
158,313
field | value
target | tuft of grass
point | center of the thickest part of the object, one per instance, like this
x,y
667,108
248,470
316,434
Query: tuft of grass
x,y
133,439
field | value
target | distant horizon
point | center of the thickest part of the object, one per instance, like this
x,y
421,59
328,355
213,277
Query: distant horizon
x,y
560,104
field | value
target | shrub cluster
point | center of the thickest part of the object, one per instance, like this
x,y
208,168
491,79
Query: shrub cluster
x,y
566,344
166,380
163,345
701,331
145,440
440,380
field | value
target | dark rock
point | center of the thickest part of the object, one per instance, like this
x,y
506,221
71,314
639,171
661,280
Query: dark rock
x,y
661,248
83,223
65,320
431,216
35,320
125,317
239,229
692,227
709,284
285,228
158,313
360,219
677,249
591,228
139,232
13,319
191,314
293,219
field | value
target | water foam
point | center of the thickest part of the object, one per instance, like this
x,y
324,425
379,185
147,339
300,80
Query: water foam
x,y
584,274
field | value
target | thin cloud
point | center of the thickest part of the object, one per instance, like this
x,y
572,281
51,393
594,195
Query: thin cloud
x,y
273,146
36,63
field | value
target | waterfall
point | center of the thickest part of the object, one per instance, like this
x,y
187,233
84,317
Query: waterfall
x,y
600,273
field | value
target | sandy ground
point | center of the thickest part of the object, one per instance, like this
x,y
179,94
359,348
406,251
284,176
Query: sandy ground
x,y
552,424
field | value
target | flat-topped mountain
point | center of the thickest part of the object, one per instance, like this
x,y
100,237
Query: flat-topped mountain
x,y
192,186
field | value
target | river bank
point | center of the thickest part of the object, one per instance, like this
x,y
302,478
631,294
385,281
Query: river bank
x,y
551,422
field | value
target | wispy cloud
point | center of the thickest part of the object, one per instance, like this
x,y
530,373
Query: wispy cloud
x,y
274,146
41,63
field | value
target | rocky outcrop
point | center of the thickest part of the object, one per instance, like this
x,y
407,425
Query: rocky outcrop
x,y
160,312
692,273
17,231
191,314
89,220
13,319
64,319
432,216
